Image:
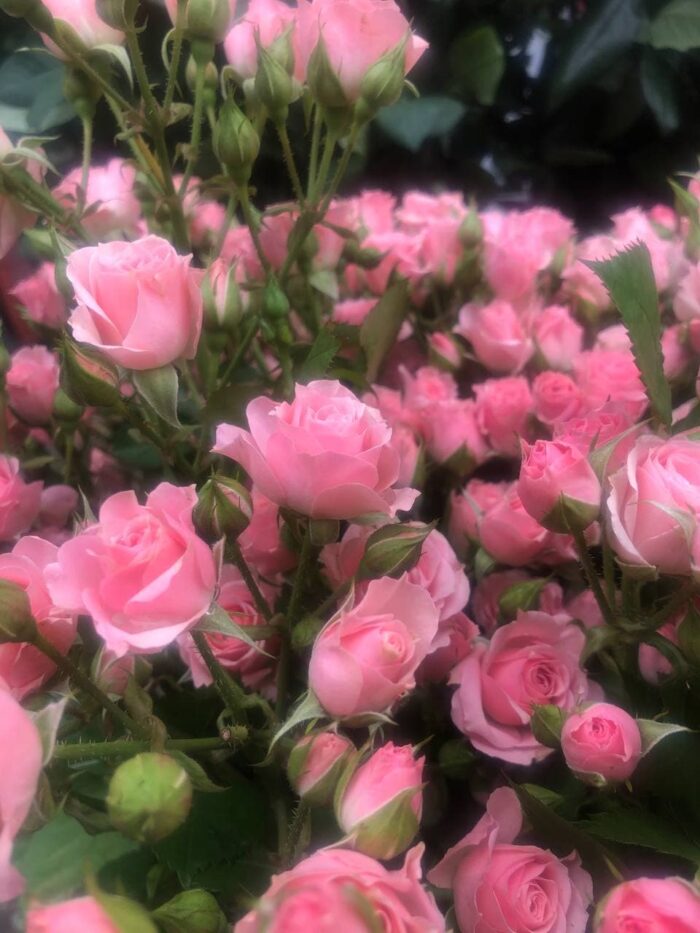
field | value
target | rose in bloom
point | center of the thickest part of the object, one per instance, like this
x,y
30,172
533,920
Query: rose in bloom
x,y
32,382
255,668
325,454
114,208
268,19
661,905
558,336
19,776
500,887
676,352
555,397
19,501
453,433
14,217
336,889
454,639
602,741
581,282
23,668
315,765
503,408
356,34
381,805
261,543
139,303
532,661
85,22
558,486
610,422
510,534
39,297
497,336
425,388
466,510
604,375
81,913
366,657
141,572
654,503
686,303
632,226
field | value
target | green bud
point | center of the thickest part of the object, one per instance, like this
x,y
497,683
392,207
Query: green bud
x,y
194,911
88,378
383,83
223,510
207,21
521,596
82,92
571,513
16,620
211,81
304,632
149,797
65,409
324,531
275,303
323,81
456,759
5,362
223,305
471,231
546,723
274,86
236,142
392,550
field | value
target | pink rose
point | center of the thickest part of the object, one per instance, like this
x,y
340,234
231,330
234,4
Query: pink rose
x,y
32,382
686,303
497,336
558,337
81,913
466,510
452,431
503,408
604,375
255,669
380,807
14,217
443,351
84,20
419,208
403,441
268,19
325,454
500,887
602,740
58,504
610,422
19,501
441,249
141,572
558,486
556,397
454,638
632,226
19,777
426,388
400,252
487,596
139,303
510,534
585,608
346,891
366,657
676,352
535,660
654,666
661,905
614,337
315,765
352,311
25,669
39,297
580,281
114,209
261,543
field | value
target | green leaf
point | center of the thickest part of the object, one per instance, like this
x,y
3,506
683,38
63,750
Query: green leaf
x,y
382,325
196,773
158,387
660,91
410,122
31,93
307,708
641,828
477,63
654,732
320,356
629,278
677,26
56,859
219,621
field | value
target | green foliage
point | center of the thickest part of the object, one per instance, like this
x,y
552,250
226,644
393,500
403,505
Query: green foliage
x,y
382,325
31,93
477,60
411,122
677,26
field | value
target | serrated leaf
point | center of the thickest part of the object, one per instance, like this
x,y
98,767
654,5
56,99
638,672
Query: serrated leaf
x,y
382,325
308,708
320,356
196,773
218,621
629,279
677,26
158,387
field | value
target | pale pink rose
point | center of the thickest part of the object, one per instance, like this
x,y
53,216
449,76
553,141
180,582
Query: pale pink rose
x,y
443,349
400,253
315,764
255,669
611,422
141,572
14,216
403,441
441,249
660,905
381,805
371,211
686,303
654,666
632,226
496,335
39,297
339,890
581,282
25,669
419,208
83,18
610,375
676,352
390,404
466,510
325,454
585,608
19,777
614,337
19,501
32,382
503,409
500,887
510,534
654,504
138,303
558,486
355,34
452,430
535,660
558,337
82,913
425,388
112,208
58,504
487,595
228,300
556,397
268,19
366,657
455,636
261,543
352,310
602,739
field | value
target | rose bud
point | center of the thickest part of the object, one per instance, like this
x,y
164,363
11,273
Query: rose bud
x,y
315,765
236,142
223,510
443,352
664,905
558,487
392,550
16,620
87,377
149,797
601,741
380,806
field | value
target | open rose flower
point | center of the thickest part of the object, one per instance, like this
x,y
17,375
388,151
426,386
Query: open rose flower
x,y
113,206
19,501
558,486
497,336
141,572
32,382
39,297
602,740
661,905
503,409
325,454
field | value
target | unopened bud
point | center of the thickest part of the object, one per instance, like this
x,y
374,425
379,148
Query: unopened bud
x,y
274,86
383,83
207,21
16,620
392,550
33,11
65,410
88,378
444,352
223,510
82,92
193,911
323,81
304,633
324,531
211,81
149,797
315,765
471,230
546,723
236,142
275,303
223,304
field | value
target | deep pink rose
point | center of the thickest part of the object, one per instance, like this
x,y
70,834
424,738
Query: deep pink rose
x,y
366,657
32,382
268,19
39,297
558,486
261,543
556,397
114,209
660,905
81,913
497,336
139,303
14,216
503,409
604,375
141,572
558,337
325,454
84,20
602,739
19,501
510,534
535,660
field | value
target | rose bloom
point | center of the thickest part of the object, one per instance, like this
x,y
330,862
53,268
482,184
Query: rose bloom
x,y
441,249
113,208
81,913
581,282
585,608
268,19
497,336
352,310
604,375
84,20
510,534
32,382
466,510
316,763
686,303
660,905
614,337
138,303
556,397
261,543
501,887
453,643
141,572
14,217
676,352
429,386
356,34
40,299
532,661
452,430
19,501
23,668
558,337
503,408
632,226
255,669
366,657
596,429
558,486
324,455
602,740
419,208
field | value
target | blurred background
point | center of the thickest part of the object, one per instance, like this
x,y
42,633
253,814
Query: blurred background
x,y
586,105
